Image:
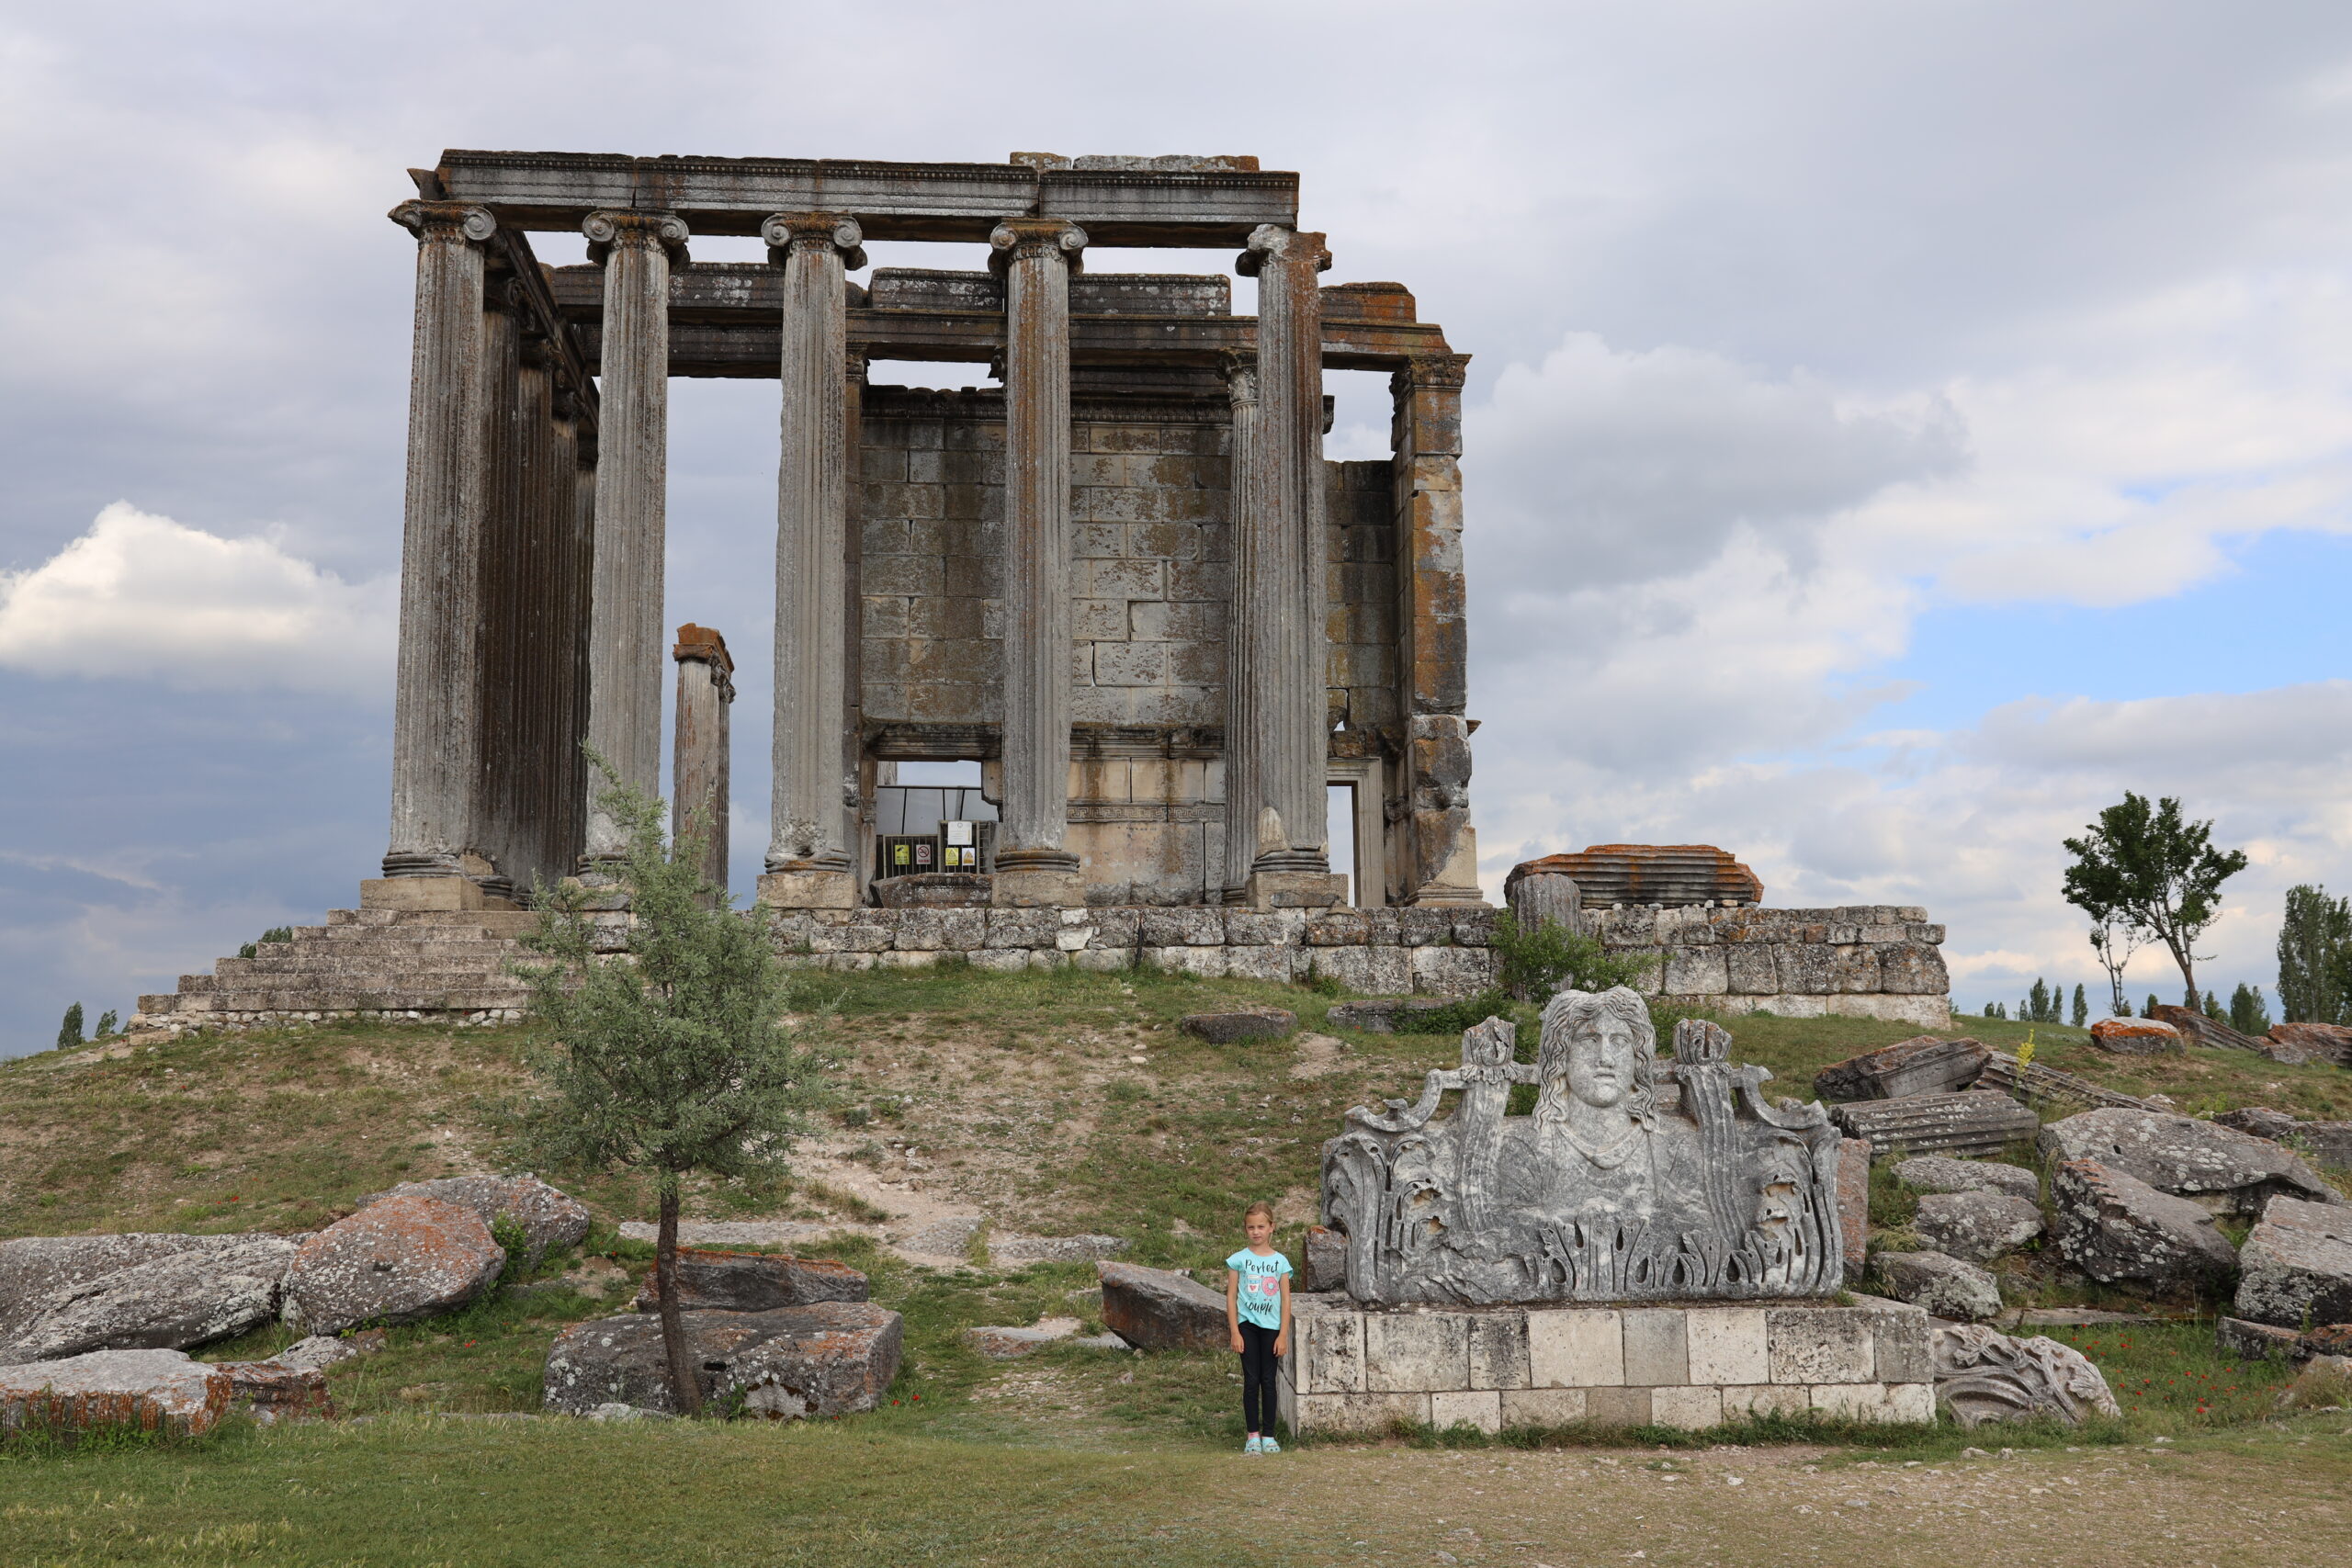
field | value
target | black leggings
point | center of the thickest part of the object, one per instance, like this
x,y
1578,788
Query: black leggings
x,y
1258,1364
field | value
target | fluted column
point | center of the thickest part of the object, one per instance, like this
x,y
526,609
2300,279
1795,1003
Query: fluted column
x,y
1033,866
1242,734
809,863
1280,570
636,250
437,763
698,765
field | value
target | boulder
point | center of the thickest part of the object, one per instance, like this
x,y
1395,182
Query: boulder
x,y
149,1389
175,1300
1327,1260
550,1219
395,1261
1386,1015
34,1268
1983,1376
1976,1226
1975,1122
1941,1173
320,1351
2329,1142
2313,1041
2324,1383
1943,1285
2116,1228
828,1359
277,1390
1853,1192
2259,1120
1238,1024
2296,1265
2138,1037
2256,1341
2198,1030
2227,1171
1156,1310
1921,1066
755,1281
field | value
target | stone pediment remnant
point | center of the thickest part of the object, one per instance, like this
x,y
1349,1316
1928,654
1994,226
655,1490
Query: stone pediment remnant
x,y
1633,1179
1671,876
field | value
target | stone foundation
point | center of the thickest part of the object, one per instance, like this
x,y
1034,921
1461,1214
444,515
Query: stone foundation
x,y
1852,960
1352,1369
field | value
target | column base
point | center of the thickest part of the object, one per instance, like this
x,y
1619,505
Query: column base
x,y
1035,879
448,893
813,888
1296,890
1451,898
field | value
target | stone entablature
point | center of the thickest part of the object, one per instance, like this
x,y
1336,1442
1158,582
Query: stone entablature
x,y
1852,960
1356,1370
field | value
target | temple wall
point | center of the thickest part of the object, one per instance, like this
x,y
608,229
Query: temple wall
x,y
1853,961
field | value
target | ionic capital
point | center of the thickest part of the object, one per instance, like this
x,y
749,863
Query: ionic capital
x,y
446,221
788,232
636,230
1271,242
1023,237
1242,377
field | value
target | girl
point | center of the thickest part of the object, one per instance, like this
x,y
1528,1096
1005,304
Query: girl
x,y
1257,1308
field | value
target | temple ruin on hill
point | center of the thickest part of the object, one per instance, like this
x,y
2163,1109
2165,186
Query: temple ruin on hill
x,y
1126,582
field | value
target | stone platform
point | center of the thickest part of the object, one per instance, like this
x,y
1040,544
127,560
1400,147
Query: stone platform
x,y
1354,1370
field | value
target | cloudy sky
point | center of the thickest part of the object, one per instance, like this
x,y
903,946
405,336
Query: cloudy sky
x,y
1895,430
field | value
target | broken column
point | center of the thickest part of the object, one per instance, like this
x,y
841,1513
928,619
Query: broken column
x,y
809,861
1032,865
636,250
698,763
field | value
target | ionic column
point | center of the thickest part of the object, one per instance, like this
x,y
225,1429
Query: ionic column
x,y
1032,867
636,250
437,763
1280,568
499,809
808,862
698,765
1241,682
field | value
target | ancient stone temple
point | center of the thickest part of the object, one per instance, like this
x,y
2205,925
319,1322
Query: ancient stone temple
x,y
1126,580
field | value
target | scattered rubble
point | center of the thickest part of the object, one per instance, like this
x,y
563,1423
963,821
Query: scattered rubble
x,y
2119,1229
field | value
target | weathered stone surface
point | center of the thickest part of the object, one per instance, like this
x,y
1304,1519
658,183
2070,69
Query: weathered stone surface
x,y
175,1299
2115,1228
1974,1122
1941,1173
2227,1170
1854,1198
1003,1344
1943,1285
1327,1260
1982,1376
1386,1015
2256,1341
1239,1023
1821,1344
2297,1265
1670,875
1600,1195
2319,1042
1978,1225
550,1219
320,1351
1015,1247
2197,1030
277,1390
753,1281
1923,1065
830,1359
2137,1037
395,1261
149,1389
2327,1142
1155,1309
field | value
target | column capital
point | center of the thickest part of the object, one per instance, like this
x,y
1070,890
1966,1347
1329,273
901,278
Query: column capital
x,y
1240,372
445,220
1272,243
640,230
788,232
1018,237
1431,371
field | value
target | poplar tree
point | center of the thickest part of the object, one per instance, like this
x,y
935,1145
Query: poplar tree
x,y
2082,1007
2315,957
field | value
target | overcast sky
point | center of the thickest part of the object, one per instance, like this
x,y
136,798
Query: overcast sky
x,y
1895,430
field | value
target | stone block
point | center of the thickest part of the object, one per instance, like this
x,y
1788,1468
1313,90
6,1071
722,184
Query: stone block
x,y
1452,971
1544,1406
830,1359
1190,926
1854,1200
1264,928
425,893
1618,1406
807,890
1328,1352
1426,1352
1001,961
1280,965
1727,1345
1901,1337
1976,1227
1924,1065
1749,970
1498,1356
1481,1408
1757,1400
1655,1350
1157,1310
1913,1403
1820,1345
1695,972
1203,962
1850,1401
1690,1409
1367,1412
1335,928
2298,1265
147,1391
1238,1024
1914,968
396,1261
1576,1348
1102,961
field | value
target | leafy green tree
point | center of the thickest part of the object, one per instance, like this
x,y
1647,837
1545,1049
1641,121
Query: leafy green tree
x,y
2150,1010
69,1033
674,1061
2082,1007
2315,957
2248,1013
108,1021
2037,1002
2156,871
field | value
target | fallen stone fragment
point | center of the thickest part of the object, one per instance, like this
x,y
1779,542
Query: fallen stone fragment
x,y
2137,1037
2324,1383
2256,1341
755,1281
395,1261
1014,1247
1327,1259
2296,1265
1238,1024
830,1359
320,1351
1985,1376
1976,1226
1004,1344
149,1390
1941,1173
175,1300
2329,1142
550,1219
2315,1041
2117,1228
2198,1030
277,1390
1975,1122
1387,1015
1154,1309
2227,1171
1924,1065
616,1411
1946,1286
1853,1190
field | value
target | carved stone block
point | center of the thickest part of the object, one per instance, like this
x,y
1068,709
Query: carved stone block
x,y
1766,1399
1619,1406
1329,1352
1426,1351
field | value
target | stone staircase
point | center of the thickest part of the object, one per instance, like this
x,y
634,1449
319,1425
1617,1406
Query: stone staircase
x,y
419,965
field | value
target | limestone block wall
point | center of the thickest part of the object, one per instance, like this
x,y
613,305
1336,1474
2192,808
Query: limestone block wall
x,y
1351,1369
1854,961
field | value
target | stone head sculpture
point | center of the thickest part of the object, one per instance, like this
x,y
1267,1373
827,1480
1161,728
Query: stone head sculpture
x,y
1597,1062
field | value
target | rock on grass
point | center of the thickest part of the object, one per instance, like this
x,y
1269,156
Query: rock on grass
x,y
830,1358
395,1261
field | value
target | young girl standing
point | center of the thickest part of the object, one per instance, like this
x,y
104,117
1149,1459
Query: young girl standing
x,y
1257,1308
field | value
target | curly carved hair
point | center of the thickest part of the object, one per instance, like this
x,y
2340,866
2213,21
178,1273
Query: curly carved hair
x,y
1563,1015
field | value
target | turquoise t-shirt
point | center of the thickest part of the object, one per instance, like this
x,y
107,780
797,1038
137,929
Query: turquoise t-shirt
x,y
1260,1298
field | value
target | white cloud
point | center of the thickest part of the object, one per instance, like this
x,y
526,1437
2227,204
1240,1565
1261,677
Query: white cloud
x,y
142,596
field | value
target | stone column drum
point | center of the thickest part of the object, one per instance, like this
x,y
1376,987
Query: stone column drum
x,y
437,763
1280,555
1032,867
809,861
636,250
698,763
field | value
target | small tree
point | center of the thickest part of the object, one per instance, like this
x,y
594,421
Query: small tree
x,y
2115,939
69,1033
2156,870
2037,1002
673,1060
2314,956
2149,1011
2248,1013
2082,1007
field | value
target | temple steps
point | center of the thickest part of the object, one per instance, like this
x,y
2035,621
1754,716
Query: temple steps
x,y
432,964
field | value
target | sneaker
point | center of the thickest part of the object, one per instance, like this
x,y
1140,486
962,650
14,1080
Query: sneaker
x,y
1268,1446
1254,1446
